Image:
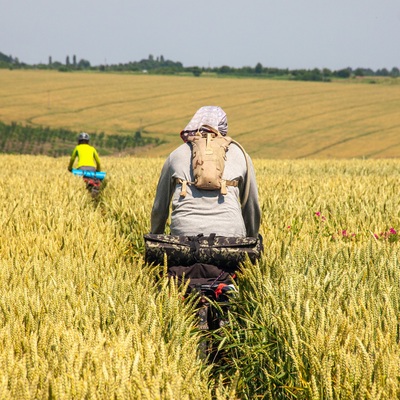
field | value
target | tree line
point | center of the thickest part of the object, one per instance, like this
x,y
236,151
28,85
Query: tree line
x,y
160,65
56,142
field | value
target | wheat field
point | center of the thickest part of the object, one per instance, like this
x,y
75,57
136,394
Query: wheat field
x,y
272,119
82,316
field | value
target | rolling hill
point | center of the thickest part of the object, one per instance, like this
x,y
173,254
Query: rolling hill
x,y
272,119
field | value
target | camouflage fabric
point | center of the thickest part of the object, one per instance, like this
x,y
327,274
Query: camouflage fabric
x,y
224,252
200,274
209,280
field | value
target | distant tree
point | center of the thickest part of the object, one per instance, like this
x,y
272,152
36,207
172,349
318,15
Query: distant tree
x,y
67,61
6,59
196,71
359,72
369,72
74,60
50,61
326,72
395,72
307,75
382,72
247,70
275,71
258,69
315,75
224,69
83,64
343,73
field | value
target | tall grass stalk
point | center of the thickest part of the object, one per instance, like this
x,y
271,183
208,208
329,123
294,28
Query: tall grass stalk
x,y
82,316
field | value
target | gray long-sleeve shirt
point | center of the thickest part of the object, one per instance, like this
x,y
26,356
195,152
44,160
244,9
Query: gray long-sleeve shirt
x,y
202,211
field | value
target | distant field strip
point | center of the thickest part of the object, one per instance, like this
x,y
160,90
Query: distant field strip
x,y
272,119
391,150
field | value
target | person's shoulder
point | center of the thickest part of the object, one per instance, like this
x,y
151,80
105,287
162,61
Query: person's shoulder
x,y
236,150
179,157
184,148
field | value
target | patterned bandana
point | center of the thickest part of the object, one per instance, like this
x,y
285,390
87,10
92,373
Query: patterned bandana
x,y
208,115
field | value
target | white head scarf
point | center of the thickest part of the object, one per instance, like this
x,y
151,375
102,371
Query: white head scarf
x,y
208,115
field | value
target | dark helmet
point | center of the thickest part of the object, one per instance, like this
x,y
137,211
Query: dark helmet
x,y
83,137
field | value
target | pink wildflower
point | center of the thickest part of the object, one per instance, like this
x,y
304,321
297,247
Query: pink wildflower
x,y
318,214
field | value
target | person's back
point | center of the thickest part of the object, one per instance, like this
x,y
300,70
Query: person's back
x,y
206,211
88,158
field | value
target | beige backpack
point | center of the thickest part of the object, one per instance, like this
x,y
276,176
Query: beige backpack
x,y
209,149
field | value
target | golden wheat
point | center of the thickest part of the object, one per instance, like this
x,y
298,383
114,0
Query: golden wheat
x,y
272,119
83,317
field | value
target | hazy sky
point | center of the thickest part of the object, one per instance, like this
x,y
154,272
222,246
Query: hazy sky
x,y
277,33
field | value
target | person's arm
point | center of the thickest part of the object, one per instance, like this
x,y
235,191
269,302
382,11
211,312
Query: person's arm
x,y
97,159
251,211
160,210
72,159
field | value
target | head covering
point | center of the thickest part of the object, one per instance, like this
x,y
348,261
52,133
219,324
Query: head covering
x,y
208,115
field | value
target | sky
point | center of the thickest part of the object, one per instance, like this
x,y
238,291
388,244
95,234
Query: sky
x,y
292,34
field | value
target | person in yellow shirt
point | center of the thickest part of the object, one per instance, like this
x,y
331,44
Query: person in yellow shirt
x,y
88,159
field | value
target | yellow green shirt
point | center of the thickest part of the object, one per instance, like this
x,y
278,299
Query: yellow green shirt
x,y
87,157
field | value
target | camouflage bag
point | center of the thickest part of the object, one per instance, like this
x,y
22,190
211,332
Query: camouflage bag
x,y
221,251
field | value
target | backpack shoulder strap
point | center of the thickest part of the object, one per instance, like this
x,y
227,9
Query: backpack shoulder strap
x,y
247,183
